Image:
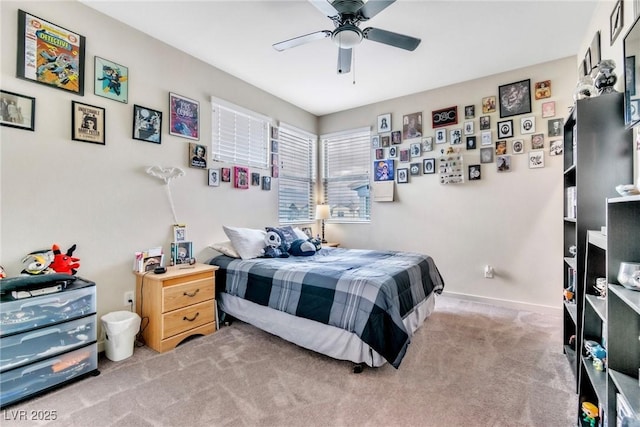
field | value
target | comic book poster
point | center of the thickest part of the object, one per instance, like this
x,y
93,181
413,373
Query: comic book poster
x,y
87,123
184,118
50,54
111,80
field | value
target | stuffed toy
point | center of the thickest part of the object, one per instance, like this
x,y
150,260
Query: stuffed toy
x,y
64,263
37,263
275,247
317,242
301,247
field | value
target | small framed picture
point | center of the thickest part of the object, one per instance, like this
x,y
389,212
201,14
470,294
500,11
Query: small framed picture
x,y
404,155
548,109
197,156
456,136
255,179
536,159
488,104
527,125
379,153
384,123
87,123
416,149
274,145
383,170
241,177
184,117
471,143
486,155
555,127
429,166
307,231
503,163
18,111
515,98
402,176
182,252
275,171
214,177
179,232
441,136
385,140
485,138
412,126
501,148
517,146
393,152
556,147
266,183
537,141
414,169
469,111
275,132
396,137
485,122
147,124
475,172
444,117
225,174
427,143
505,129
543,89
375,141
111,80
468,127
616,22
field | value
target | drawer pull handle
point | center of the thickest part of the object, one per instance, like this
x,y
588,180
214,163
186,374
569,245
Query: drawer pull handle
x,y
193,318
192,294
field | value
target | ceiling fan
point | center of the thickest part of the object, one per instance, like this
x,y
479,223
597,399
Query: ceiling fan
x,y
347,16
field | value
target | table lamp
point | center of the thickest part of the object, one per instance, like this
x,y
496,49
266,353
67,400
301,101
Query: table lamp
x,y
323,213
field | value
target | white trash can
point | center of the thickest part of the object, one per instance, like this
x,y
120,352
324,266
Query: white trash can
x,y
121,328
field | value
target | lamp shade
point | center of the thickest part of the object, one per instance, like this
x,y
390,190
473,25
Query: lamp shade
x,y
322,212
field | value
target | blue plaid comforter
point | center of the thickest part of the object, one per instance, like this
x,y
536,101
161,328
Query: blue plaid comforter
x,y
362,291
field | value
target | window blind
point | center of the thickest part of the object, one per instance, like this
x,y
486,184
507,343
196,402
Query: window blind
x,y
298,175
345,178
239,136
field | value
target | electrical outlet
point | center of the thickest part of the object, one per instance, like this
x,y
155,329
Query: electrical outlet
x,y
488,272
128,298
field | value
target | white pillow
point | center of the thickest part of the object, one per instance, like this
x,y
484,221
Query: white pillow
x,y
301,234
248,242
225,248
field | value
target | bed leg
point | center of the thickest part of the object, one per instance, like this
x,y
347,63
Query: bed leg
x,y
358,368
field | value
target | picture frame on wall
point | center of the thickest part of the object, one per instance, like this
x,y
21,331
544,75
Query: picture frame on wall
x,y
383,170
403,176
616,22
536,159
429,166
384,123
475,172
241,177
517,146
147,124
393,152
441,136
505,129
375,141
543,89
18,111
427,143
503,163
548,109
485,137
266,183
527,124
515,98
414,169
62,68
412,126
488,104
555,127
214,177
197,156
485,122
111,80
225,174
87,123
486,155
471,143
444,117
556,147
184,117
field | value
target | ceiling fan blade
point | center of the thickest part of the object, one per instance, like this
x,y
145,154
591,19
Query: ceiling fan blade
x,y
373,7
344,61
297,41
325,8
390,38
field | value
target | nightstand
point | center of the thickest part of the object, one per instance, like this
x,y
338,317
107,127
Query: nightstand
x,y
176,305
331,244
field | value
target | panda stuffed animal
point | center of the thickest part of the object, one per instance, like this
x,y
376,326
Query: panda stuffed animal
x,y
275,247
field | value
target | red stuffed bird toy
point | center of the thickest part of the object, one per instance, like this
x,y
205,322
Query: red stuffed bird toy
x,y
64,263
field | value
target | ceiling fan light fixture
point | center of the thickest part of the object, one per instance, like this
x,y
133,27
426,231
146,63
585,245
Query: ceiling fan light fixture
x,y
347,36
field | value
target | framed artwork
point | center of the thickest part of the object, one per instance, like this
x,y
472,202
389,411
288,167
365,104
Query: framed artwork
x,y
396,137
416,149
501,148
225,175
469,111
630,75
241,177
517,146
536,159
179,232
147,124
87,123
275,171
485,122
181,252
444,117
214,177
456,136
379,153
385,140
275,132
111,80
393,152
548,109
255,178
383,170
17,111
505,129
486,155
596,53
414,169
403,176
543,89
475,173
503,163
515,98
427,143
485,137
488,104
384,123
429,166
441,136
588,66
266,183
412,126
616,22
468,127
274,146
555,127
184,117
404,155
556,147
50,54
307,231
375,141
527,125
471,143
537,141
197,156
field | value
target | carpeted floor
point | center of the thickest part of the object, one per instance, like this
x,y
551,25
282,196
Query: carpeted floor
x,y
471,364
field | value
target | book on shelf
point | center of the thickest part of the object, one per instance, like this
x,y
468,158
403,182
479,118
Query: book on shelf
x,y
571,202
181,252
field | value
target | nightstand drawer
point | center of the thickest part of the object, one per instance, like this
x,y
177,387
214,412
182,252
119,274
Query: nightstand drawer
x,y
193,292
187,318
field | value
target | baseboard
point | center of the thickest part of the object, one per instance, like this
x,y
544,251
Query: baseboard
x,y
536,308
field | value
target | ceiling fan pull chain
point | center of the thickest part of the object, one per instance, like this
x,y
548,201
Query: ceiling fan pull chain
x,y
353,65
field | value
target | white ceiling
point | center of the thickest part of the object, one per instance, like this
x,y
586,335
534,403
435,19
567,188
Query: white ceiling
x,y
461,41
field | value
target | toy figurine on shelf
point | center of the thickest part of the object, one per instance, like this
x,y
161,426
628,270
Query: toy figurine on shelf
x,y
589,413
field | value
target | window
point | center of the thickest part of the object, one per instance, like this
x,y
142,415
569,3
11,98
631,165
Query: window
x,y
239,136
297,178
346,165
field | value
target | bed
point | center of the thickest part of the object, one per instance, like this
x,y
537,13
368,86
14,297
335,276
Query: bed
x,y
349,304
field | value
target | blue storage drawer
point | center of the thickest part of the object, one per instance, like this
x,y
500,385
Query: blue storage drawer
x,y
31,346
25,314
40,376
